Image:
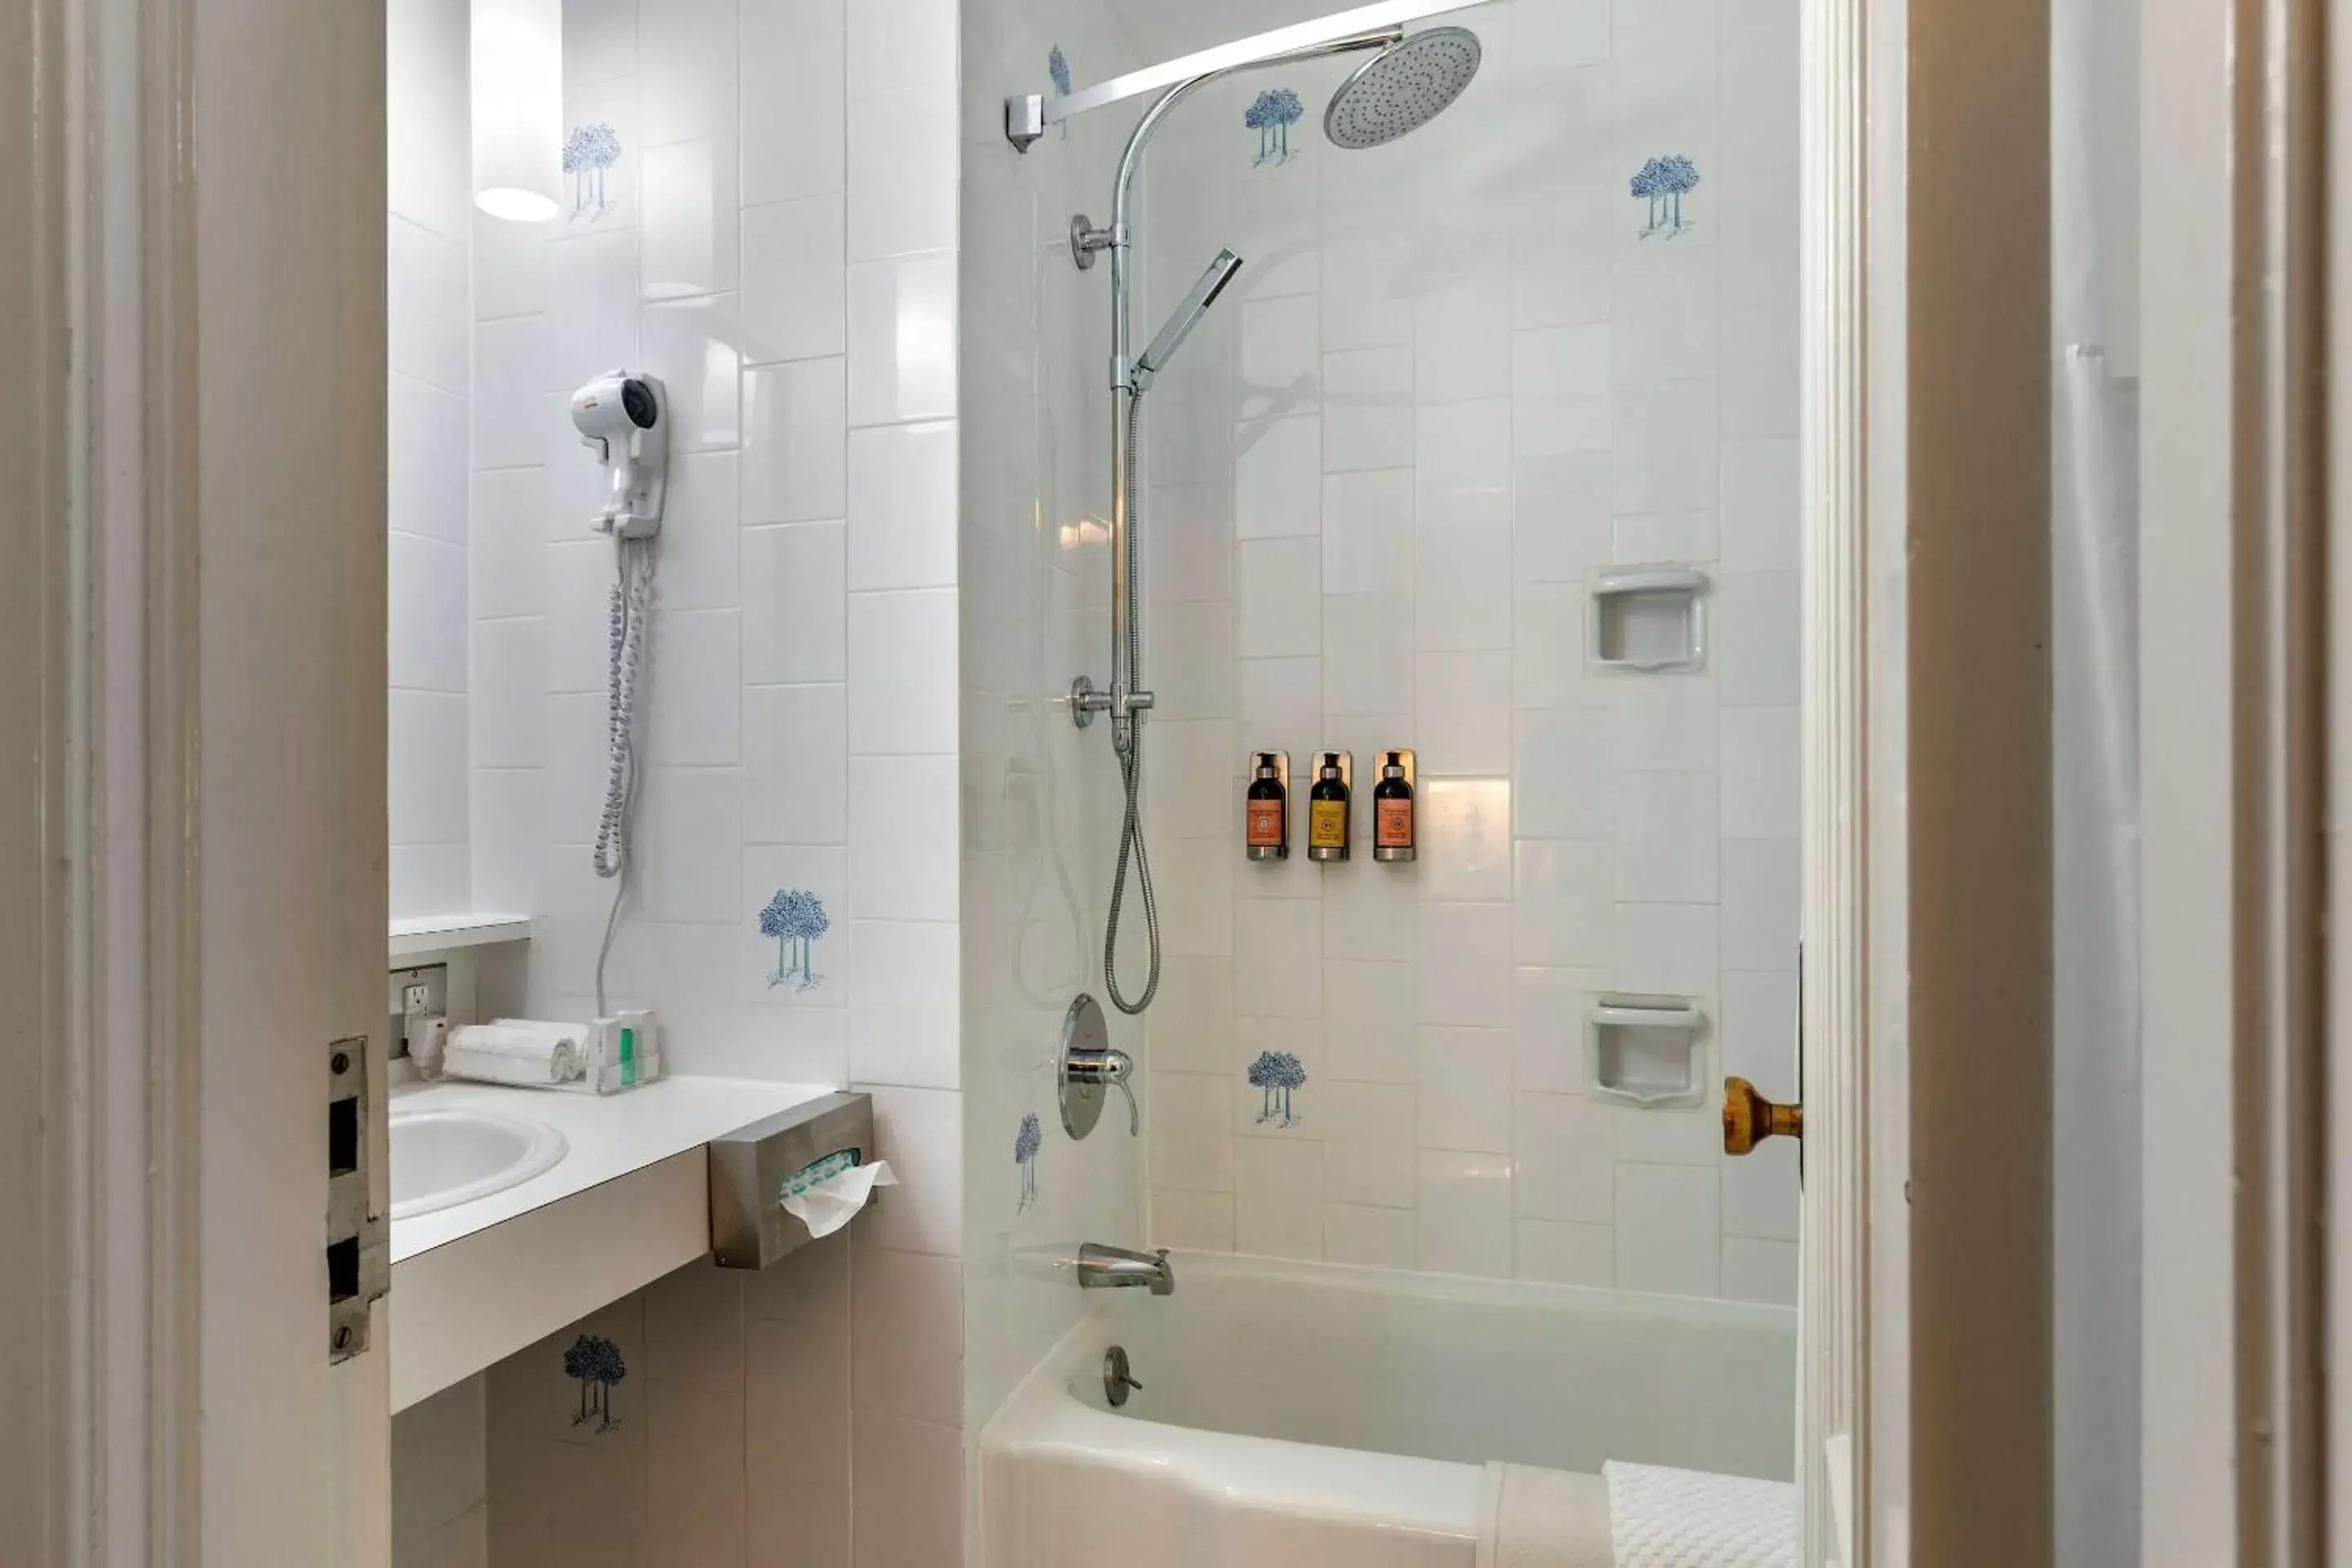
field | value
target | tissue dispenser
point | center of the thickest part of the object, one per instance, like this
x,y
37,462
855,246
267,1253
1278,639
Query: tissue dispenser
x,y
749,1168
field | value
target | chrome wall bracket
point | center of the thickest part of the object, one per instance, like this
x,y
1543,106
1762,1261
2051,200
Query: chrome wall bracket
x,y
1086,699
1086,239
1025,119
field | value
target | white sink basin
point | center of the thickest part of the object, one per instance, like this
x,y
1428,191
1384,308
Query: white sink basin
x,y
441,1158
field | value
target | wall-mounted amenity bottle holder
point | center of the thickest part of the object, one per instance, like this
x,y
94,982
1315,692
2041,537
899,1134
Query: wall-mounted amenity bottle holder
x,y
1328,800
1396,805
1647,620
1266,807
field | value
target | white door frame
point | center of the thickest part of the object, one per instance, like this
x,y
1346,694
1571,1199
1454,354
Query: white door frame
x,y
196,640
194,677
2235,619
1928,811
1929,1394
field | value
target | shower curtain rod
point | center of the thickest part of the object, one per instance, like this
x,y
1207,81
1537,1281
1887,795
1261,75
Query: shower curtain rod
x,y
1027,117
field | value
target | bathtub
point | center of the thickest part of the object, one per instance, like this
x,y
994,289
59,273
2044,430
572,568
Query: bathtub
x,y
1297,1414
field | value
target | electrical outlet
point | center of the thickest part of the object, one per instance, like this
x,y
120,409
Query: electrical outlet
x,y
419,993
425,989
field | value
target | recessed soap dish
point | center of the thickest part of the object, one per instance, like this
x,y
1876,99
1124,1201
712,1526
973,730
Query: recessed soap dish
x,y
1648,620
1649,1051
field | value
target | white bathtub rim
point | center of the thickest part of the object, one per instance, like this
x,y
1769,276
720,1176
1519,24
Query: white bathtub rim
x,y
1044,1420
1047,1421
1478,1288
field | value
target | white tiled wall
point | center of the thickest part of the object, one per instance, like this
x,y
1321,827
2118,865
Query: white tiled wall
x,y
440,1482
430,178
799,707
779,248
1451,380
1040,797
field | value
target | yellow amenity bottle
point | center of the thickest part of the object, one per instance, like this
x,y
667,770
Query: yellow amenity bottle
x,y
1326,811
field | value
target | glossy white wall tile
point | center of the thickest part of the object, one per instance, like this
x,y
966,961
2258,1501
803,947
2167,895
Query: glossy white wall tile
x,y
903,838
902,173
693,703
793,277
796,764
794,420
689,224
695,346
509,693
902,673
902,338
799,571
429,238
777,718
792,72
902,506
1466,374
427,460
1666,1230
716,257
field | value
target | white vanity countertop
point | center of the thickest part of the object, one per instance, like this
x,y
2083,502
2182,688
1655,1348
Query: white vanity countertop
x,y
609,1136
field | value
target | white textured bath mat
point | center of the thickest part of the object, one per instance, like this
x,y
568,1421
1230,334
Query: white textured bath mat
x,y
1661,1517
1530,1517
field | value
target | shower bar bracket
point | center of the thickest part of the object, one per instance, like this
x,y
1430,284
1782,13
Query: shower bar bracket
x,y
1030,115
1087,700
1086,239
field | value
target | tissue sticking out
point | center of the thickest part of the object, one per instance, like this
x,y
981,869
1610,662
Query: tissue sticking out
x,y
835,1188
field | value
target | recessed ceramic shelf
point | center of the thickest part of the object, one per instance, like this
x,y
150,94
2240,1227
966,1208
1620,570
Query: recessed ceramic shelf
x,y
440,933
1648,620
1649,1051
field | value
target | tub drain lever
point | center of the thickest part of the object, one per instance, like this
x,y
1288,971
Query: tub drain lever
x,y
1119,1381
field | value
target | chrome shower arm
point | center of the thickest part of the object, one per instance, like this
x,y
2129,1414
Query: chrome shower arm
x,y
1116,238
1027,117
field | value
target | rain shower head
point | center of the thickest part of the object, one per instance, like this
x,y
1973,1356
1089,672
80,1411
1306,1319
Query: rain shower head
x,y
1403,88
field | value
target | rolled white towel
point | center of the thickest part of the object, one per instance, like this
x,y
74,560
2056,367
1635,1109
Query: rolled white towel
x,y
1530,1517
541,1056
1660,1516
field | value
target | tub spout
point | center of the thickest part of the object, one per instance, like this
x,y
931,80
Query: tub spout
x,y
1104,1267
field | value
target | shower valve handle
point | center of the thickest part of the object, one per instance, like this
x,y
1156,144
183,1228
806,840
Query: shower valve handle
x,y
1113,1066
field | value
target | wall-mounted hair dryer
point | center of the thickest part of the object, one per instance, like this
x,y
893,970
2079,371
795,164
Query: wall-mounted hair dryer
x,y
623,417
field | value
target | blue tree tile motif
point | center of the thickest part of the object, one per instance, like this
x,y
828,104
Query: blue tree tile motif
x,y
794,919
588,152
594,1362
1057,66
1025,1144
1272,114
1663,182
1275,1074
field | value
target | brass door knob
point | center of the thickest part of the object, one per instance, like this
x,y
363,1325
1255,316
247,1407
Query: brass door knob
x,y
1749,1118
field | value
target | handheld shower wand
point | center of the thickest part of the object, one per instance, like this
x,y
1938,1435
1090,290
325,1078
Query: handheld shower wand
x,y
1407,81
1128,699
1185,317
